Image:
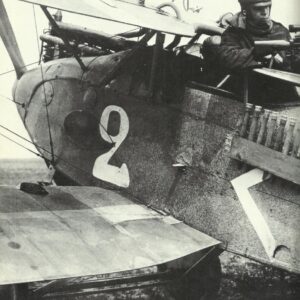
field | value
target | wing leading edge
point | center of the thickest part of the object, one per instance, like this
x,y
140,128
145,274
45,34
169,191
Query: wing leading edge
x,y
122,12
82,231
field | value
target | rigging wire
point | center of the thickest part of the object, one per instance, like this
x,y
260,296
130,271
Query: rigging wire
x,y
109,136
35,153
11,100
45,98
13,70
41,53
47,112
127,31
81,80
39,147
23,105
19,136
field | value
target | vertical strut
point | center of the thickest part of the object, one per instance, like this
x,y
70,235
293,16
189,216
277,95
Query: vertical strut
x,y
157,54
10,42
67,43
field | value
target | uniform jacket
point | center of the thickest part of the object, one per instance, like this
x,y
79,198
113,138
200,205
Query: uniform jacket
x,y
237,50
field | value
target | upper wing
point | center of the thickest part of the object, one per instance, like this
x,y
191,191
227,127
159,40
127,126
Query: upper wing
x,y
82,231
122,12
281,75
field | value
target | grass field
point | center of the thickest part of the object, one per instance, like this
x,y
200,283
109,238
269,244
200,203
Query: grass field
x,y
242,279
13,172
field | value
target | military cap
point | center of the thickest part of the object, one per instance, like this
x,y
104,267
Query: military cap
x,y
248,2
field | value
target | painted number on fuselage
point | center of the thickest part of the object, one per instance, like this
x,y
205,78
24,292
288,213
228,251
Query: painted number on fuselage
x,y
102,169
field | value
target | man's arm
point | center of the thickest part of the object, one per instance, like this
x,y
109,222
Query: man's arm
x,y
234,56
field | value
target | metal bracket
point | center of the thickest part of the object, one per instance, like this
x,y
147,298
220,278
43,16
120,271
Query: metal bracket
x,y
157,51
246,88
63,37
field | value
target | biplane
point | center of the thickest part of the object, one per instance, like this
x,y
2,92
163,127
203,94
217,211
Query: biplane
x,y
153,173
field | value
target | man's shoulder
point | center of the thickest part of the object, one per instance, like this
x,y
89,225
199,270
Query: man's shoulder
x,y
279,26
279,32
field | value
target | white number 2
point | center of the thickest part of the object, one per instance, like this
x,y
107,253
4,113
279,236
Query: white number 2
x,y
102,169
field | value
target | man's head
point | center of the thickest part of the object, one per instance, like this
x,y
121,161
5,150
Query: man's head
x,y
256,11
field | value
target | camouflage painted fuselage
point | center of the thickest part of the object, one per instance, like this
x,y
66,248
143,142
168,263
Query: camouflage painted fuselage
x,y
166,149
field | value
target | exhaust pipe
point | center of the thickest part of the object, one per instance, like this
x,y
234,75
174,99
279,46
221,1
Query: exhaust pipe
x,y
10,42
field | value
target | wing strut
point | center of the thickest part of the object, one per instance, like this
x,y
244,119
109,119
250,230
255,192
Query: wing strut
x,y
157,50
10,42
62,35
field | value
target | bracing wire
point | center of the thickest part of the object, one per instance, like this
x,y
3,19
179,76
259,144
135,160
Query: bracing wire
x,y
13,141
45,99
13,70
124,32
19,136
39,147
11,100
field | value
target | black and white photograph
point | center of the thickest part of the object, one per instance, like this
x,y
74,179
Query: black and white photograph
x,y
149,149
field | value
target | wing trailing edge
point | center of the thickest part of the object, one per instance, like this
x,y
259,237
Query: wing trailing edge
x,y
83,231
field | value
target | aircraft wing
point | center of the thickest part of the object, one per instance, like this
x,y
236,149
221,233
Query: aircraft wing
x,y
122,12
291,78
83,231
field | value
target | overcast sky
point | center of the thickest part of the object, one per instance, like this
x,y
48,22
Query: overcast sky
x,y
22,19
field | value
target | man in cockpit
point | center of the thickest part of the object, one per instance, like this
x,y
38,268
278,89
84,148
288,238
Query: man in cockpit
x,y
253,23
237,53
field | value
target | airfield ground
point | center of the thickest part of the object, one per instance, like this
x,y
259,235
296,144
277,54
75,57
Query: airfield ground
x,y
242,279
